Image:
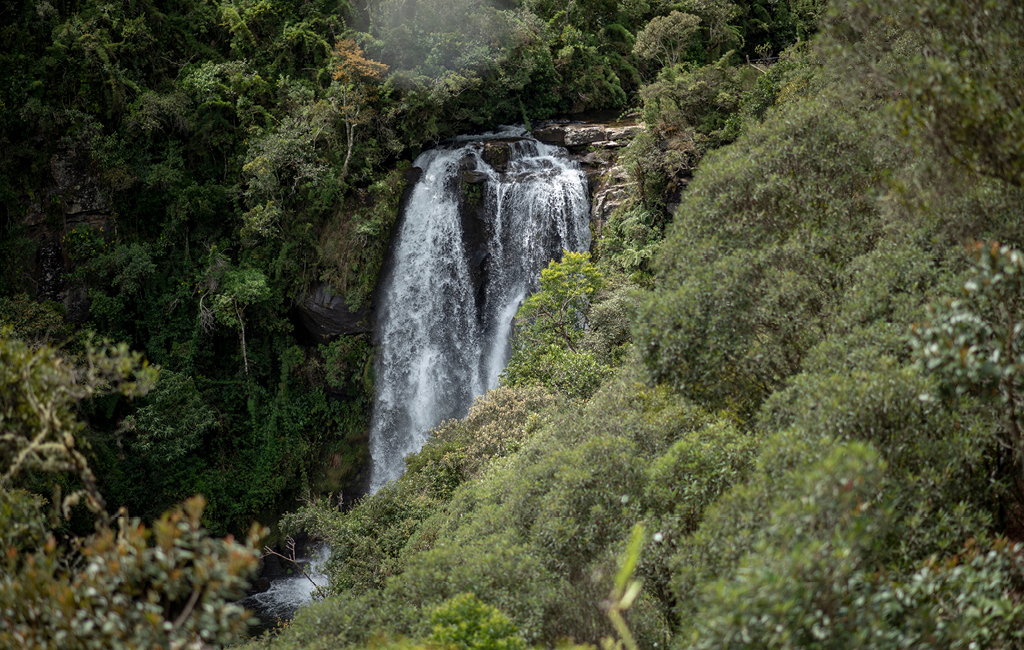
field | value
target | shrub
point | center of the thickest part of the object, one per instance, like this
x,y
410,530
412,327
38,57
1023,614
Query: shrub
x,y
127,593
693,97
573,374
497,425
814,579
123,587
752,264
466,623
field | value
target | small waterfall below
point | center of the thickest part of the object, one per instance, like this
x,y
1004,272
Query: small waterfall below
x,y
463,261
289,592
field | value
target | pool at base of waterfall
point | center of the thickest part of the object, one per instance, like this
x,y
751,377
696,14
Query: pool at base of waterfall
x,y
287,592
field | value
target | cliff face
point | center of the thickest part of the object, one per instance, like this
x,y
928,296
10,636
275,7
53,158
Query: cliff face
x,y
73,197
597,144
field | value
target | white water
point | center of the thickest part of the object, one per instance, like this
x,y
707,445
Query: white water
x,y
440,343
287,594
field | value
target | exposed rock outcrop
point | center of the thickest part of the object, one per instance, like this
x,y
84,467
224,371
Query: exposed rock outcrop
x,y
326,316
594,143
74,197
497,154
608,194
577,134
82,197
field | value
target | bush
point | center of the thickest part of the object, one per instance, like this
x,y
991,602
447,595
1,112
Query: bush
x,y
128,593
497,426
373,540
124,586
814,579
693,97
751,266
573,374
794,589
557,513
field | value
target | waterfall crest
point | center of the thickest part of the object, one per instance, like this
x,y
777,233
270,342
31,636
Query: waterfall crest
x,y
446,303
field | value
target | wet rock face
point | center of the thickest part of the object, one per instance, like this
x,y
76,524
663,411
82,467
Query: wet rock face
x,y
326,316
74,197
497,154
80,189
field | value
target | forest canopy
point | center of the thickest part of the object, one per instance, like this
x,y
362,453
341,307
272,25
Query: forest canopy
x,y
776,405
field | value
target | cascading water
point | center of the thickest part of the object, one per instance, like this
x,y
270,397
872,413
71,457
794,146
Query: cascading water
x,y
287,593
445,311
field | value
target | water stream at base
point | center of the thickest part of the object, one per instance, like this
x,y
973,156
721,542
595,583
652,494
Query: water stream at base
x,y
287,593
443,334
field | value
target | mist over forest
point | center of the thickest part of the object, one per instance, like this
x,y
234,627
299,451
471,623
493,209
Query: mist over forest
x,y
768,396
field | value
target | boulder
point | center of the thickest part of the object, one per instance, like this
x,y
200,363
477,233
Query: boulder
x,y
550,133
625,132
326,316
581,134
474,177
497,154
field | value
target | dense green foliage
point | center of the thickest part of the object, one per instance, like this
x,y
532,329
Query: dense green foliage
x,y
788,370
815,413
123,586
181,176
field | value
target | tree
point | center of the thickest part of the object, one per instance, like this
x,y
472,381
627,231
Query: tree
x,y
666,38
961,82
974,343
466,623
39,390
557,313
356,78
231,291
550,326
124,586
242,287
715,18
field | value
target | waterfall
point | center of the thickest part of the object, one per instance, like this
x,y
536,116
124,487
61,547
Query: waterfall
x,y
446,304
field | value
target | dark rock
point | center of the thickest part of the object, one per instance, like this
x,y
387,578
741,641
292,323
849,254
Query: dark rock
x,y
475,235
550,133
411,176
326,316
76,304
78,186
49,266
473,177
259,586
73,198
497,154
